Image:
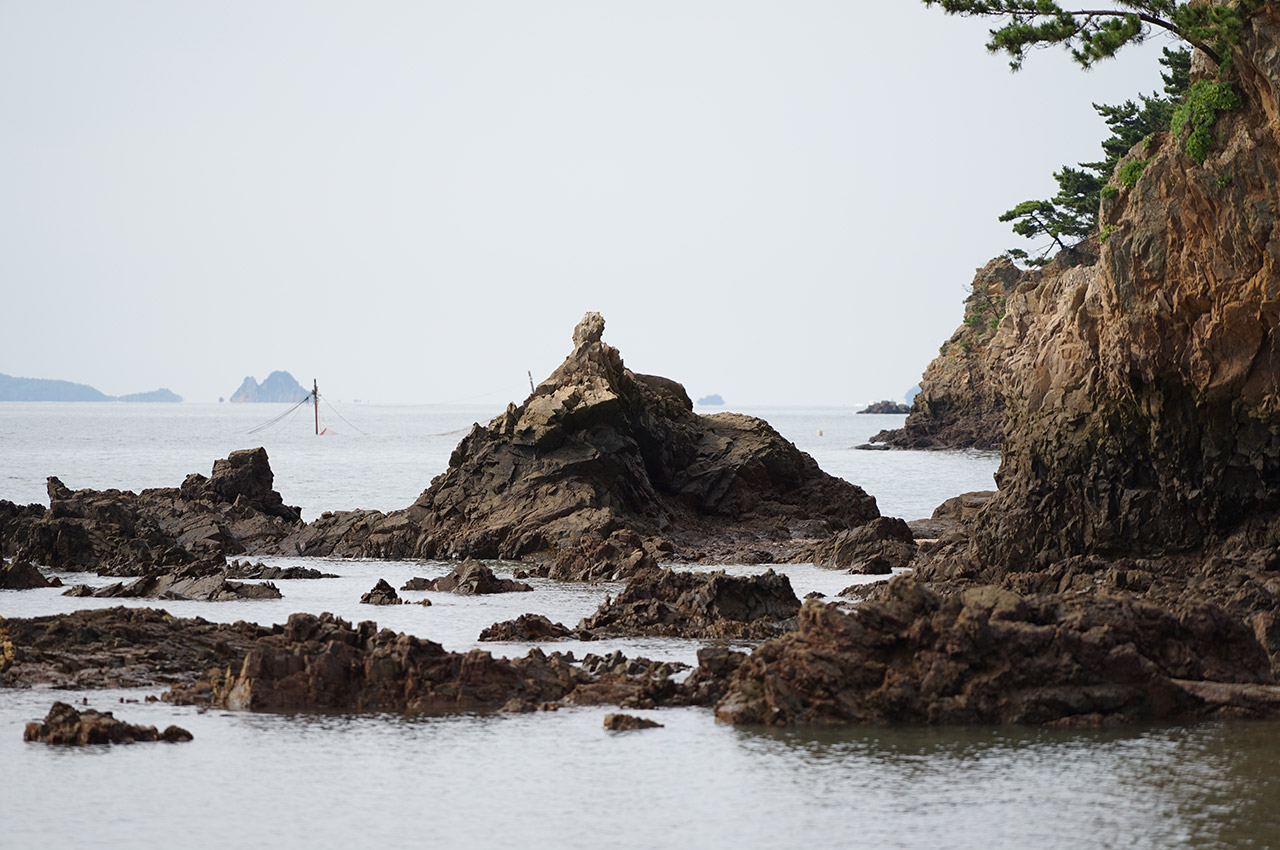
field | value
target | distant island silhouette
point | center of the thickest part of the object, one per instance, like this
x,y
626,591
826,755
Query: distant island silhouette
x,y
711,400
46,389
279,386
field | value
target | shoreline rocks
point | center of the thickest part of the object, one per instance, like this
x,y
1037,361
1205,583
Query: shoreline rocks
x,y
669,603
989,655
233,511
470,578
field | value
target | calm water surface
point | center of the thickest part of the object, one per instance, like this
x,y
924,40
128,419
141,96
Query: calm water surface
x,y
557,779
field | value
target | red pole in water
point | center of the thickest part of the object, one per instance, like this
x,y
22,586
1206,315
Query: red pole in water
x,y
315,398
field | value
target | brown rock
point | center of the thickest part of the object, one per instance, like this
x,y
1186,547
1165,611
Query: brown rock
x,y
470,578
672,603
21,575
597,448
203,581
526,627
234,511
115,648
381,594
66,726
628,723
879,547
324,663
992,656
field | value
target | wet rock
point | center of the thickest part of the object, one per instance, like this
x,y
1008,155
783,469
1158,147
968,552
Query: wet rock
x,y
21,575
526,627
64,725
322,662
617,558
617,662
989,655
670,603
231,512
628,723
876,548
709,681
381,594
116,648
246,570
204,582
469,578
597,448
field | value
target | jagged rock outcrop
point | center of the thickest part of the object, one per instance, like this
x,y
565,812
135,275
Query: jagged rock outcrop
x,y
992,656
1143,392
960,404
234,510
381,594
66,726
598,448
671,603
116,648
322,662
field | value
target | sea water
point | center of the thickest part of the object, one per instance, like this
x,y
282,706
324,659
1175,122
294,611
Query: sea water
x,y
557,779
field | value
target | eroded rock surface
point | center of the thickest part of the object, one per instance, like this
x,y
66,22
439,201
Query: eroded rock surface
x,y
470,578
64,725
961,403
22,575
989,655
877,548
116,648
206,582
526,627
323,662
597,449
670,603
233,511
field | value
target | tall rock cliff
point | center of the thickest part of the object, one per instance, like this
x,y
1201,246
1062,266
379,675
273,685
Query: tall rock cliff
x,y
1143,392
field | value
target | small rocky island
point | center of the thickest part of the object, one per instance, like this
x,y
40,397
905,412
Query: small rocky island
x,y
279,387
886,406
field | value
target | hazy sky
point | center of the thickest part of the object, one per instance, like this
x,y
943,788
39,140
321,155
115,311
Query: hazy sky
x,y
780,202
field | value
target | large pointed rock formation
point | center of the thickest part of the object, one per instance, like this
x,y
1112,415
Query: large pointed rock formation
x,y
595,449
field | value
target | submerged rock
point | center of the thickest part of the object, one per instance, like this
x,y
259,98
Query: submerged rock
x,y
993,656
65,725
628,723
671,603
